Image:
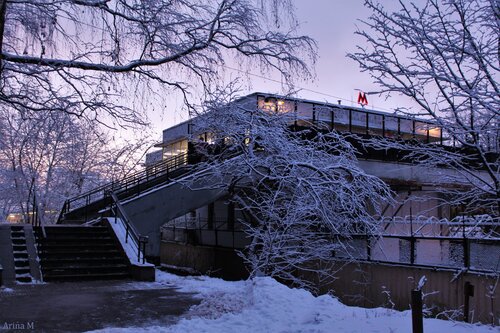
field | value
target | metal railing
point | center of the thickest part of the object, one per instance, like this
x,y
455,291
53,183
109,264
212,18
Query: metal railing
x,y
34,217
347,119
131,185
130,232
478,226
466,250
204,231
441,252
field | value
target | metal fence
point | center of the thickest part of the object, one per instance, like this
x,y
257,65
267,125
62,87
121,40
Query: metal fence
x,y
466,244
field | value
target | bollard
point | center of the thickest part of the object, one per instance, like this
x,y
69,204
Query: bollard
x,y
468,292
416,311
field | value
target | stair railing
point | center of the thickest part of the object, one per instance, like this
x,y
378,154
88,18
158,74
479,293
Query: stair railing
x,y
141,241
35,219
161,169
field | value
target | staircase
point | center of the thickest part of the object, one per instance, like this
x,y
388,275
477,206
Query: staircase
x,y
89,206
20,251
76,253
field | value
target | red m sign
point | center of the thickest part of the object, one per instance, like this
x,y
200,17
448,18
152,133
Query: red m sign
x,y
362,99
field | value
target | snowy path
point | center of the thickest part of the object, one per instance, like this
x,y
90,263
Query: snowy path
x,y
264,305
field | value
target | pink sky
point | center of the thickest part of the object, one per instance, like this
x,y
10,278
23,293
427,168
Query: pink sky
x,y
332,24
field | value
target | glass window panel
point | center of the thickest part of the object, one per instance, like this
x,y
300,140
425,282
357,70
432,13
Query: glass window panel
x,y
375,121
406,126
341,116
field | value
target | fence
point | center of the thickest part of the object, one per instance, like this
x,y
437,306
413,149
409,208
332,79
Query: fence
x,y
472,244
202,231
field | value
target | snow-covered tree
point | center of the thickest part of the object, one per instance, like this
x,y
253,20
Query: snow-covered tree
x,y
301,189
53,156
113,57
444,55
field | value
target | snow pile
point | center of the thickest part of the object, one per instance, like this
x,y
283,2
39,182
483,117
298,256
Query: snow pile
x,y
6,290
264,305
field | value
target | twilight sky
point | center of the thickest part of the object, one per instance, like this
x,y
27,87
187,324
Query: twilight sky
x,y
332,24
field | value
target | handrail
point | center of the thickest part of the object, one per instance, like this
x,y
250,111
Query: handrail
x,y
130,230
149,174
158,168
63,211
36,221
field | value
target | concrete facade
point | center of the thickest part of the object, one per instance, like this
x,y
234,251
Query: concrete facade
x,y
6,256
152,209
212,261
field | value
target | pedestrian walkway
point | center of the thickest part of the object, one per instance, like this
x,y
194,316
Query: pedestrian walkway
x,y
83,306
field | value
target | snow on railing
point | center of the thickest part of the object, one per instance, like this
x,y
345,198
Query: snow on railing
x,y
478,226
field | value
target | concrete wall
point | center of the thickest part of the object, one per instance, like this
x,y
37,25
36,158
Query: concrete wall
x,y
418,174
6,256
156,207
32,253
213,261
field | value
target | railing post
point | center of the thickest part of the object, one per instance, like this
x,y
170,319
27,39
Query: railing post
x,y
143,252
139,249
466,247
142,248
466,253
383,126
367,115
350,121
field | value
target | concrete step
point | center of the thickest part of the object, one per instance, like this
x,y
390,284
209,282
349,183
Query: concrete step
x,y
20,255
22,270
24,279
85,269
17,228
76,246
21,262
19,241
80,264
17,234
72,229
83,241
70,253
19,247
79,253
86,277
47,262
73,236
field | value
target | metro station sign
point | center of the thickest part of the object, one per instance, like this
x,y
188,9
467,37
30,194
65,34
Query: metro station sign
x,y
362,98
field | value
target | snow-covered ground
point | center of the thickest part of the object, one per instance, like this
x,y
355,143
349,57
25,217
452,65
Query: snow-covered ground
x,y
264,305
